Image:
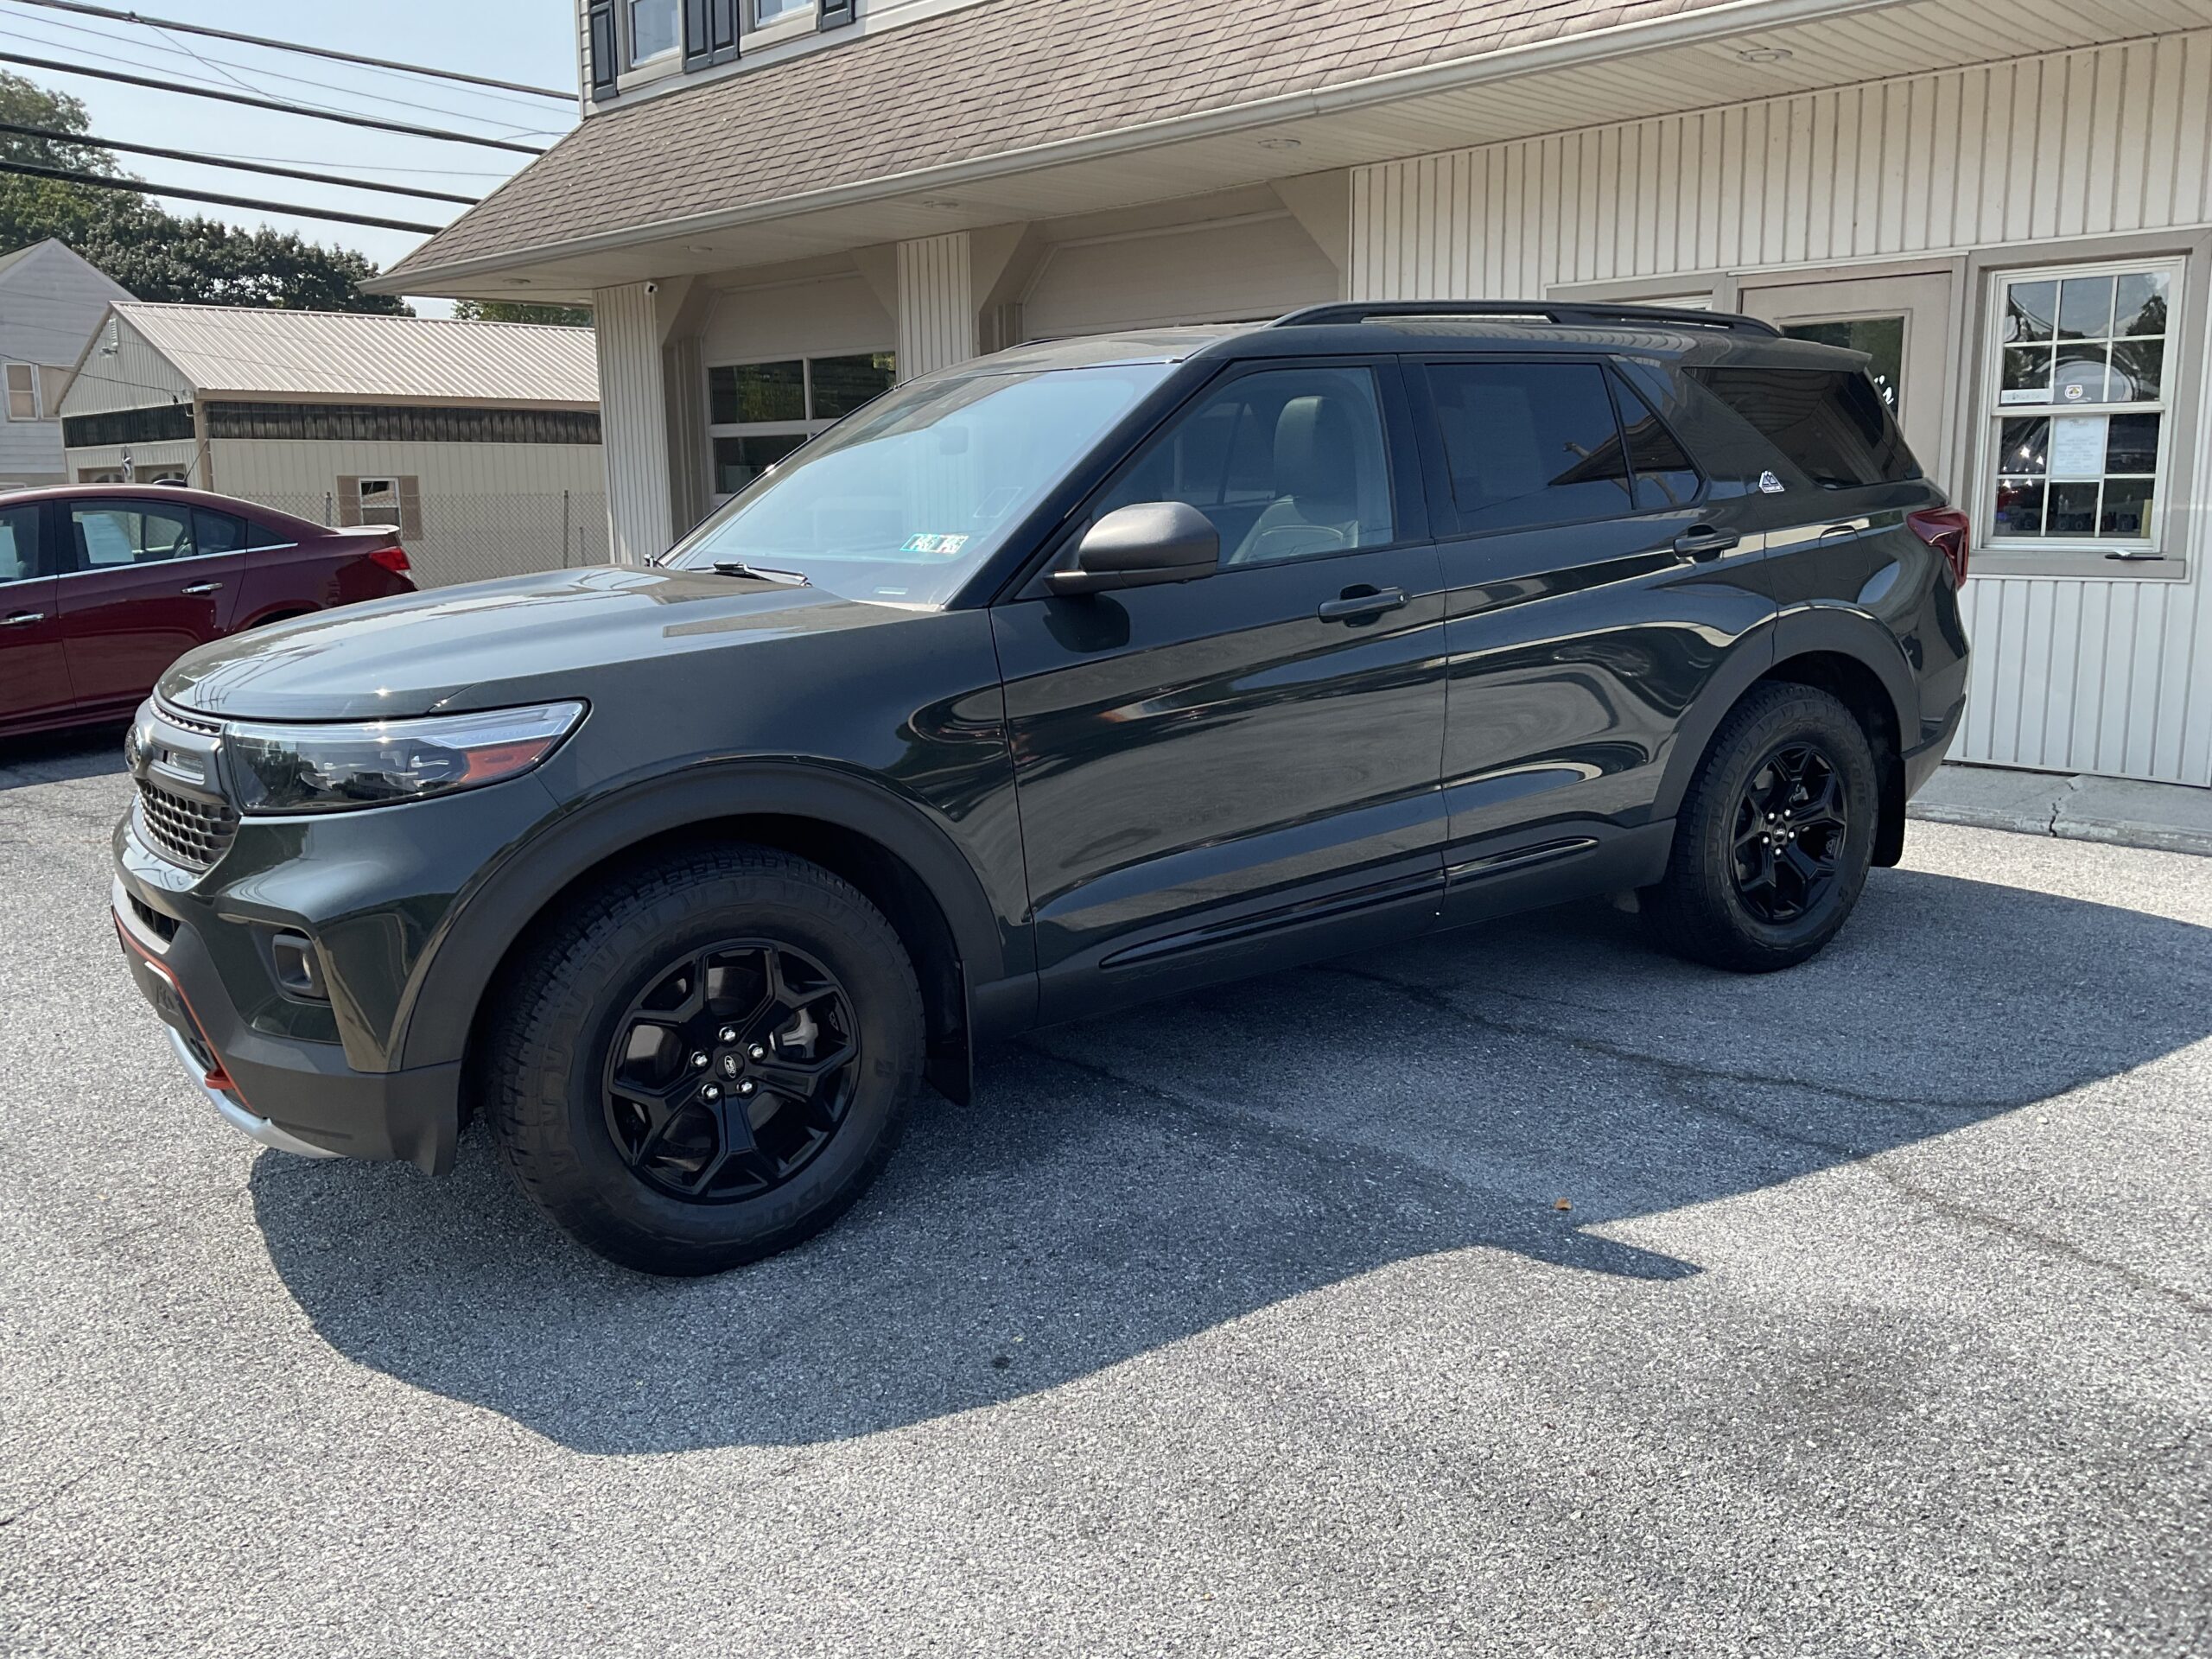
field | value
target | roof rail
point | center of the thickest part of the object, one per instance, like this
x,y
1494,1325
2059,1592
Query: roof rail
x,y
1573,312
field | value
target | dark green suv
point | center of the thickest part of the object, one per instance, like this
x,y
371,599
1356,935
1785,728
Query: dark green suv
x,y
1046,684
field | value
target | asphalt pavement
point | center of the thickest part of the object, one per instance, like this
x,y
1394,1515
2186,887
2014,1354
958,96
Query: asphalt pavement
x,y
1516,1292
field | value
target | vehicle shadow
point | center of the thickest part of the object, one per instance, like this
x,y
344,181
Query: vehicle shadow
x,y
1121,1185
57,757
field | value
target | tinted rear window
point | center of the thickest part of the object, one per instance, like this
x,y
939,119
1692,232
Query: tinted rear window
x,y
1831,424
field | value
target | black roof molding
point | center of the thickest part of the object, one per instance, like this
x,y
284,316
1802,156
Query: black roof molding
x,y
1568,314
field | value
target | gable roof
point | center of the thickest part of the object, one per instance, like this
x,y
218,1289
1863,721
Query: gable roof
x,y
992,79
342,354
52,247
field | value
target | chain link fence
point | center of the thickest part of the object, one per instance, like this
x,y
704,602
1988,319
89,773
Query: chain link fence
x,y
470,537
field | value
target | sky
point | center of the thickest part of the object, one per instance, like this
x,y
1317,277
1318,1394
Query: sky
x,y
532,41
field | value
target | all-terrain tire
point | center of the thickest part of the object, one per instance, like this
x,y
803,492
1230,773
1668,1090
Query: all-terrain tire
x,y
541,1072
1700,909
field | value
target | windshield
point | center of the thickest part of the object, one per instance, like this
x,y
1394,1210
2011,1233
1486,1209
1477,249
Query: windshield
x,y
902,500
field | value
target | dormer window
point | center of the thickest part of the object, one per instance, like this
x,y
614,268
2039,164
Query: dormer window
x,y
656,29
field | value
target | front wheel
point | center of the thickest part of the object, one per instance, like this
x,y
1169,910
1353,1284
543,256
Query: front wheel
x,y
707,1060
1774,836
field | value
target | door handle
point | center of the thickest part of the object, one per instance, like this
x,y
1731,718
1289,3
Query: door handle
x,y
1703,542
205,587
23,619
1360,601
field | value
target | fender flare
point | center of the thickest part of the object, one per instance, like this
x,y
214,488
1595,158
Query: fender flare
x,y
1802,631
482,925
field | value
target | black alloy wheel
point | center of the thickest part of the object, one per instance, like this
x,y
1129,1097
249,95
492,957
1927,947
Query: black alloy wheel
x,y
705,1057
1791,825
730,1071
1774,836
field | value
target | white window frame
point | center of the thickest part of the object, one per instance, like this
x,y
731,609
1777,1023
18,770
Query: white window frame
x,y
390,492
30,372
804,428
2158,550
669,55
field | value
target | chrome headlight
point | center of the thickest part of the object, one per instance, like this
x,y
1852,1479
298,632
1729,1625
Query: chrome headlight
x,y
330,768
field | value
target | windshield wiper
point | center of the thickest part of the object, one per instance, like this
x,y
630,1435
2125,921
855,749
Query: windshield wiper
x,y
762,573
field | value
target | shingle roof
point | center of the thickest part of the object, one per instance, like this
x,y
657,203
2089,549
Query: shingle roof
x,y
1003,76
337,353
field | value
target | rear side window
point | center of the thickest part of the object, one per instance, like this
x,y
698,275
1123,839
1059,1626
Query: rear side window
x,y
1552,444
1831,424
1664,476
218,532
1530,443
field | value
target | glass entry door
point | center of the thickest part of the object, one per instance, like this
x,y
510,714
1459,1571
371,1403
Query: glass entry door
x,y
1904,323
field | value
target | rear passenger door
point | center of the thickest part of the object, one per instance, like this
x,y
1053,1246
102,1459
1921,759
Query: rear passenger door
x,y
138,590
1592,591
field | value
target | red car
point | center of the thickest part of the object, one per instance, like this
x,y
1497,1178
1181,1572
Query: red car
x,y
103,586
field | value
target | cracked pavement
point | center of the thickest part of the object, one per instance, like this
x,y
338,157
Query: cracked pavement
x,y
1877,1321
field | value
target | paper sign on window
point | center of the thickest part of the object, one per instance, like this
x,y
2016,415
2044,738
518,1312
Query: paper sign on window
x,y
2077,446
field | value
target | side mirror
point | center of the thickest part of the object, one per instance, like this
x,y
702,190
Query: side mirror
x,y
1139,546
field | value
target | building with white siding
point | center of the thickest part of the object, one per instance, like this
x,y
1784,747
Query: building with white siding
x,y
50,299
480,440
2008,207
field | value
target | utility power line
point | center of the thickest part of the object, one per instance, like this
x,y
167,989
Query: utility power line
x,y
293,46
223,68
203,160
344,116
107,181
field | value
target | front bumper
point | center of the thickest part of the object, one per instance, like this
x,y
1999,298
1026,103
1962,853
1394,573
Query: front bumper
x,y
295,1094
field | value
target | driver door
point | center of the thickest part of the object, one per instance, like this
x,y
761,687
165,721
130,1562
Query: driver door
x,y
1241,770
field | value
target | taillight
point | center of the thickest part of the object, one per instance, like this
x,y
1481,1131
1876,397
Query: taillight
x,y
1950,532
392,558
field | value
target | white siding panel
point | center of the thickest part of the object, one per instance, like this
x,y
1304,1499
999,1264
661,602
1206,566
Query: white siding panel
x,y
131,376
488,509
634,420
936,304
1258,265
2110,675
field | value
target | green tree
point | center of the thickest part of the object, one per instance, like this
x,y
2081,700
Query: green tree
x,y
566,316
155,254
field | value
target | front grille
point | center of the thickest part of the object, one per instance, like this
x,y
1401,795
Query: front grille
x,y
193,832
179,718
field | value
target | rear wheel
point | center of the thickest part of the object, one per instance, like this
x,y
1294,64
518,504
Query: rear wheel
x,y
708,1061
1774,836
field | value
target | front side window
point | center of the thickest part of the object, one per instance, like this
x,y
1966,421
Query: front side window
x,y
119,533
1287,463
18,543
656,26
758,413
769,11
903,500
2077,409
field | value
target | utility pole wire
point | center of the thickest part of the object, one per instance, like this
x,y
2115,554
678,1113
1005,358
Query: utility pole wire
x,y
202,160
344,116
293,46
108,181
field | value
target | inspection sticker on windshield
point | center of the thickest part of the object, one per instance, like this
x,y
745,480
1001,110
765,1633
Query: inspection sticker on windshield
x,y
943,546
